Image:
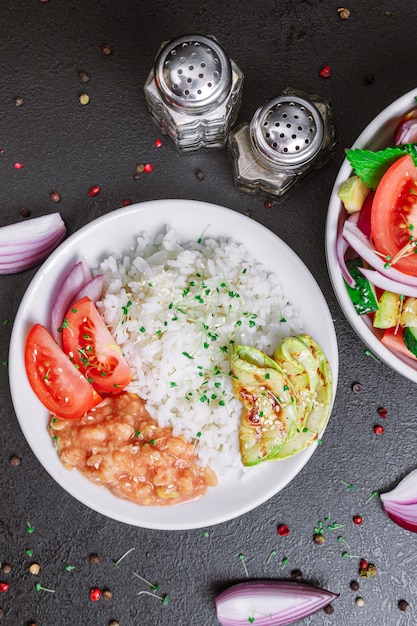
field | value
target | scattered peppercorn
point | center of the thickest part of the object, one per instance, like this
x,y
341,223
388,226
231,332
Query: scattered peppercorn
x,y
158,143
34,569
94,558
344,13
326,71
18,102
1,614
18,166
360,602
329,609
84,77
107,594
14,460
354,585
199,174
382,412
113,622
367,572
106,49
24,212
296,573
148,168
84,99
357,387
283,530
363,564
55,197
403,606
4,587
126,202
319,539
378,429
268,204
93,191
6,568
95,594
357,519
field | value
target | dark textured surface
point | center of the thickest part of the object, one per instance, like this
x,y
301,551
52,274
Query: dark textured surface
x,y
67,147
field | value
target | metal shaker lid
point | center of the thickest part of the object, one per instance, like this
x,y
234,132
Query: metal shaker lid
x,y
287,131
193,73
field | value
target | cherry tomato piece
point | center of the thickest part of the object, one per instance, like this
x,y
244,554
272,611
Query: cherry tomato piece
x,y
61,388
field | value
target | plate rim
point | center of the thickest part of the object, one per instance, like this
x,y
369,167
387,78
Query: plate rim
x,y
48,266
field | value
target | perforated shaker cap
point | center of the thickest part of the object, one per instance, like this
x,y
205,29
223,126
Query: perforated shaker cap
x,y
193,73
287,131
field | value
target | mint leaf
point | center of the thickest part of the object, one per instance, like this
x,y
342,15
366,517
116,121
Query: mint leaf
x,y
371,166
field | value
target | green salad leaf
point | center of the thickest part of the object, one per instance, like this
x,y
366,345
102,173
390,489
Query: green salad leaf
x,y
370,166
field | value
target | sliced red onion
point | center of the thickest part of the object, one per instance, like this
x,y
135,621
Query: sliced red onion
x,y
363,247
79,275
270,603
25,244
407,132
387,284
91,290
400,504
341,247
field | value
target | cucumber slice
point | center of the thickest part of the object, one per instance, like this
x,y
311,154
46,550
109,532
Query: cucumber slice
x,y
410,339
363,295
388,313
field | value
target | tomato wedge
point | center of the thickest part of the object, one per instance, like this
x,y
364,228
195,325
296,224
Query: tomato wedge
x,y
394,215
90,345
393,340
62,389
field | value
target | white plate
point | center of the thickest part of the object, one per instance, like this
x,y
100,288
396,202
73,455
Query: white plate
x,y
377,135
114,233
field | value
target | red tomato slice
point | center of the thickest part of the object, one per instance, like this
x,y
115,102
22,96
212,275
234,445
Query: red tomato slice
x,y
394,341
62,389
394,214
88,342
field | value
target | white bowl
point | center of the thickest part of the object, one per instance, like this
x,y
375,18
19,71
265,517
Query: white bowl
x,y
377,135
115,233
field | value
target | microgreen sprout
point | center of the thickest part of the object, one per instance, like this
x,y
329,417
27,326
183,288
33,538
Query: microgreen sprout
x,y
120,559
373,495
154,587
271,556
242,559
39,587
165,599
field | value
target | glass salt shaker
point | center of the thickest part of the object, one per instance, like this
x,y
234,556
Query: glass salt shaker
x,y
287,136
194,92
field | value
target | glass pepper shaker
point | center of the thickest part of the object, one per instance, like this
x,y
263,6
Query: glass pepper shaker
x,y
287,136
194,92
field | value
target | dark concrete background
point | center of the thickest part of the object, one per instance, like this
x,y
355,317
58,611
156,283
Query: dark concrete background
x,y
68,148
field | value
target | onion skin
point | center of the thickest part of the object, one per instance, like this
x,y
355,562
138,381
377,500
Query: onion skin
x,y
400,504
26,244
270,603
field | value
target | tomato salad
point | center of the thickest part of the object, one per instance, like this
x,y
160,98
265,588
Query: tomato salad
x,y
377,246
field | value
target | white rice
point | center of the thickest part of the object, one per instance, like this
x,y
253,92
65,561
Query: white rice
x,y
175,309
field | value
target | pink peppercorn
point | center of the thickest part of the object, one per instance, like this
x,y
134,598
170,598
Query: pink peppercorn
x,y
283,530
95,594
93,191
4,587
326,72
148,168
